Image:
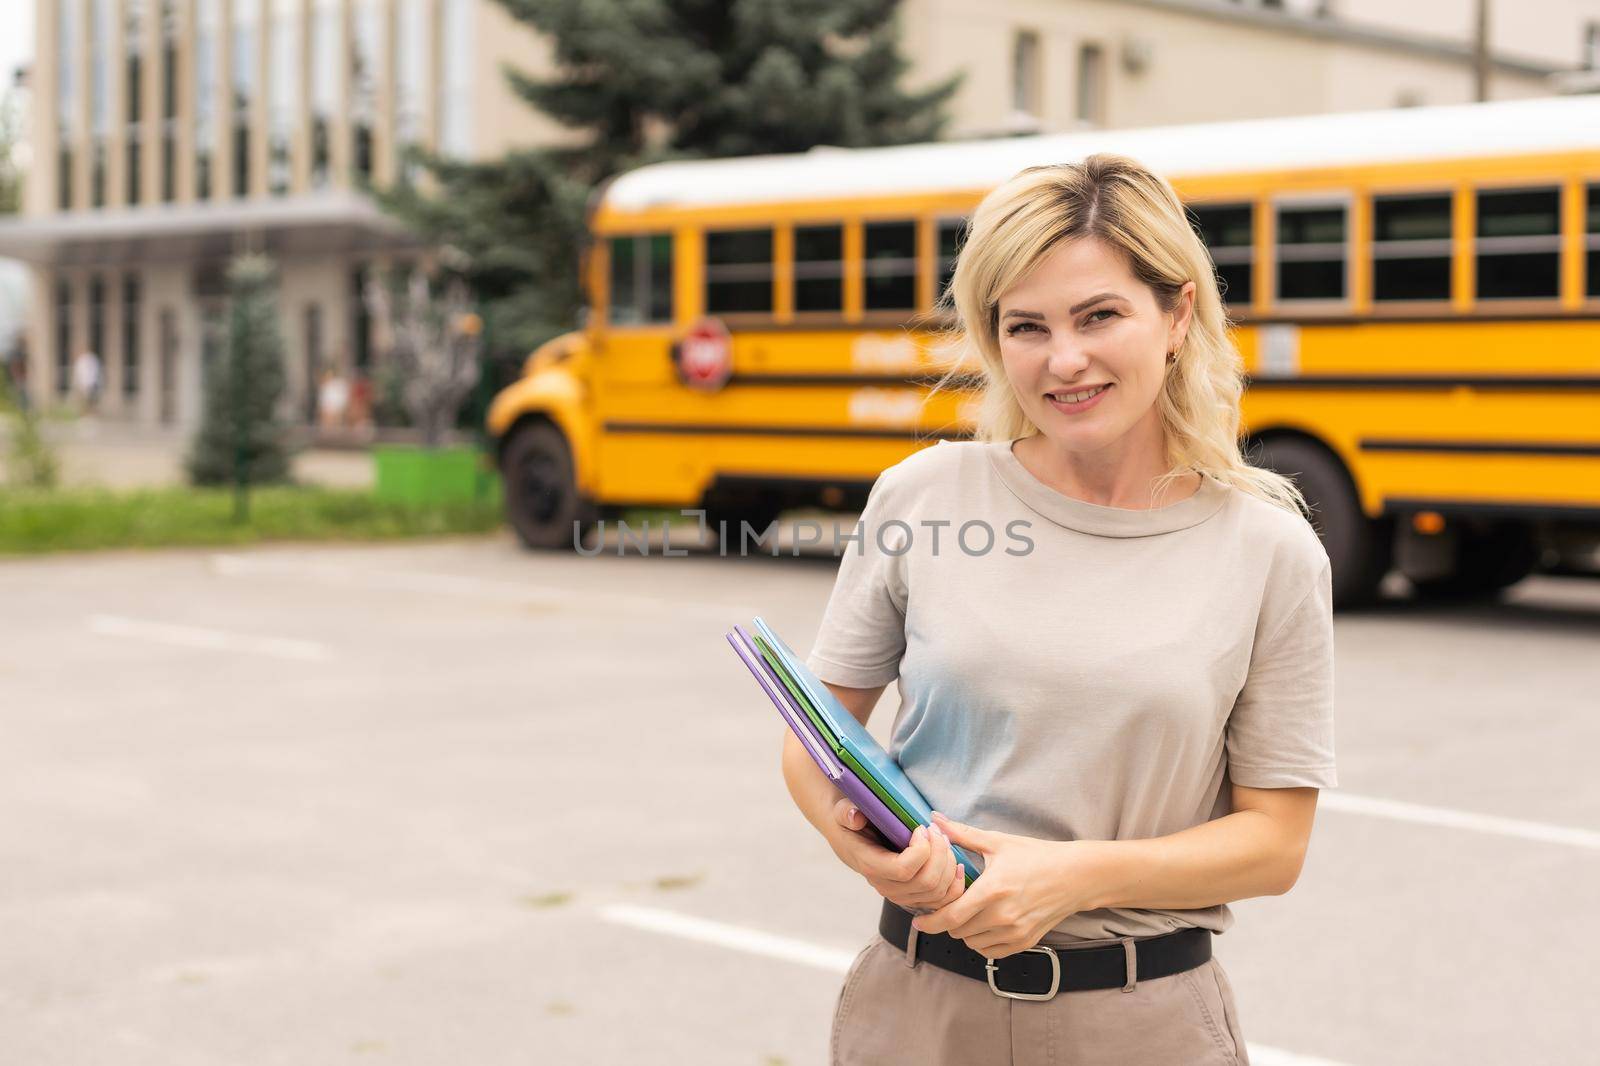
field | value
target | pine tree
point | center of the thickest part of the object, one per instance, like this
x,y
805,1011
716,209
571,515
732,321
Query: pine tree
x,y
651,80
240,440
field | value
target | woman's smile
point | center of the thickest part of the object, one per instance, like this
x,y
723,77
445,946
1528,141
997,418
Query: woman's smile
x,y
1077,401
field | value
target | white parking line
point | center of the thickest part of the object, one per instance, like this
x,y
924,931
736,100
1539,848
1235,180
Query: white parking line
x,y
1444,817
834,960
506,590
110,625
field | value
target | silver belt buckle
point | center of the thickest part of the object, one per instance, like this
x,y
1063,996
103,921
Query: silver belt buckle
x,y
1055,976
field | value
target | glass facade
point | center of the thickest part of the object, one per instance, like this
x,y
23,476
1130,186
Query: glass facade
x,y
411,80
455,80
169,101
130,335
208,27
366,75
100,64
133,98
284,69
243,67
66,98
327,35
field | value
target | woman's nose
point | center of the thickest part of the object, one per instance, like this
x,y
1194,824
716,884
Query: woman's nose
x,y
1067,359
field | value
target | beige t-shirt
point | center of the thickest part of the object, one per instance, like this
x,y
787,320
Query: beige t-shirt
x,y
1070,671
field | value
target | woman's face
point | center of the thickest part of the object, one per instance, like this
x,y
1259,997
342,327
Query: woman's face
x,y
1081,322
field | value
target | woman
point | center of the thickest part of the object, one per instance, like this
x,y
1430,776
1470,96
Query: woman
x,y
1121,693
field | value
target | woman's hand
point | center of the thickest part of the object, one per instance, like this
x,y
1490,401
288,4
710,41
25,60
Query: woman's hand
x,y
924,876
1028,886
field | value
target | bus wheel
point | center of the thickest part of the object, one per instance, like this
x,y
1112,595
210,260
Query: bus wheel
x,y
1489,559
541,492
1359,548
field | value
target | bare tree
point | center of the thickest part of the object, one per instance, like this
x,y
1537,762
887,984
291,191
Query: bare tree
x,y
434,341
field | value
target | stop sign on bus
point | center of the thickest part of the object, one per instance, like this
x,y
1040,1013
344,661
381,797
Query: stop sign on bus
x,y
704,357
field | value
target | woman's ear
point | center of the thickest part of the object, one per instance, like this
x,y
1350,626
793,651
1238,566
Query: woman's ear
x,y
1181,316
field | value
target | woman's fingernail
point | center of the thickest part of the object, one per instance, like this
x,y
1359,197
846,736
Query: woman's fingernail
x,y
853,812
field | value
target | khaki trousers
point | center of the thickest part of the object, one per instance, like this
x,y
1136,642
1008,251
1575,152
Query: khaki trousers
x,y
889,1014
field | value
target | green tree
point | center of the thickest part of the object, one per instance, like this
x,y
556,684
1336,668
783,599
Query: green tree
x,y
240,440
10,172
648,80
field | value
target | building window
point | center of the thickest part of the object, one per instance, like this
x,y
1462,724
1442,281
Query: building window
x,y
314,358
366,74
1228,232
1311,252
96,341
890,270
952,235
1591,46
1091,107
169,101
739,271
1411,247
641,279
327,32
1519,244
1025,73
130,335
361,320
207,28
66,99
455,82
133,96
101,64
819,268
246,24
283,93
63,337
1592,240
169,366
411,79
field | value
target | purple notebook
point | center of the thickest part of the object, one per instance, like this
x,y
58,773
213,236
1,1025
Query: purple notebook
x,y
882,819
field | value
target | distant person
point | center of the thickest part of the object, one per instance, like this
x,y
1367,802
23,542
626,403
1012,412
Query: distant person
x,y
17,368
333,395
86,380
1124,702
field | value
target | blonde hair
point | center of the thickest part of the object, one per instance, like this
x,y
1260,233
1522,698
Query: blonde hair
x,y
1115,199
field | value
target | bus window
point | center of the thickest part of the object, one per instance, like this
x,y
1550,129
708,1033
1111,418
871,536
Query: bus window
x,y
1519,243
952,235
891,266
641,279
1411,247
819,268
1592,240
1225,229
739,271
1311,252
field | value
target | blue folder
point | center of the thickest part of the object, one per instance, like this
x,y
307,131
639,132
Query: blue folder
x,y
861,745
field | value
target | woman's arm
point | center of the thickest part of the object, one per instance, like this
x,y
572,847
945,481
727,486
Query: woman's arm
x,y
1029,885
1255,851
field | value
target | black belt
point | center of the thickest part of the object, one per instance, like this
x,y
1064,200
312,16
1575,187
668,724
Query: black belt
x,y
1040,972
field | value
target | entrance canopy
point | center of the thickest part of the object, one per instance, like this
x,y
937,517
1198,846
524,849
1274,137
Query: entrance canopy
x,y
175,233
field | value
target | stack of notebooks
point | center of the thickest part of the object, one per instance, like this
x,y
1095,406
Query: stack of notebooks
x,y
839,744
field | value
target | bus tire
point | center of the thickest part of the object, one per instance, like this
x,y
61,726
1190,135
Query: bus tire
x,y
1489,559
1359,548
543,503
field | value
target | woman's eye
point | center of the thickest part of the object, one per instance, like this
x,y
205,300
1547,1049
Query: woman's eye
x,y
1011,331
1102,311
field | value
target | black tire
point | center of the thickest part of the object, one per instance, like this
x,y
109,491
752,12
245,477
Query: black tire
x,y
1489,559
1360,549
543,503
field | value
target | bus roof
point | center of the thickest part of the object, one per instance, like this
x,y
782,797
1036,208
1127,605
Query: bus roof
x,y
1540,124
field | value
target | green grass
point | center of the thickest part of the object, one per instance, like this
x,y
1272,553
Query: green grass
x,y
38,520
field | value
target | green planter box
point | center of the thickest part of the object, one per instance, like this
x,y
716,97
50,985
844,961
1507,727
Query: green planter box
x,y
408,473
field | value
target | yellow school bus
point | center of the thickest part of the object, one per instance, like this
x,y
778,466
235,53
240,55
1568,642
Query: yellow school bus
x,y
1416,295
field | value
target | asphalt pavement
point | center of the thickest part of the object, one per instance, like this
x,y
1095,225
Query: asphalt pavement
x,y
452,802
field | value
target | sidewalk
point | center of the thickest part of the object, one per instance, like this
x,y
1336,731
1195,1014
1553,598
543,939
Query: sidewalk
x,y
111,454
